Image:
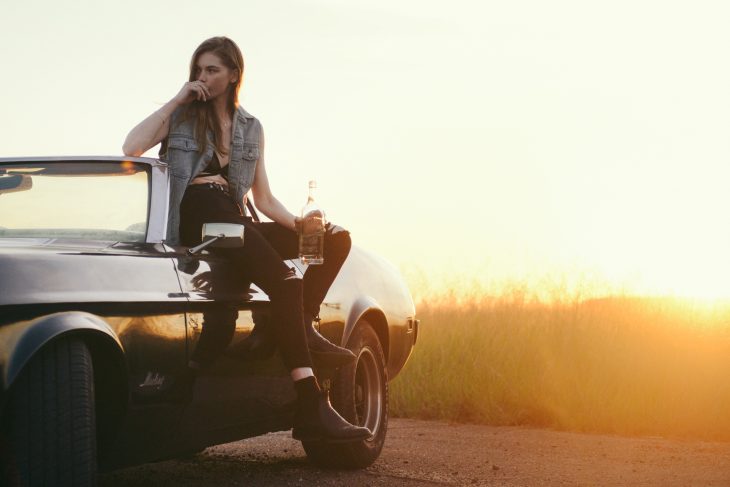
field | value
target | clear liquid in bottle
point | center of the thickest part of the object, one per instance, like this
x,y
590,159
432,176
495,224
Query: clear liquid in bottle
x,y
311,231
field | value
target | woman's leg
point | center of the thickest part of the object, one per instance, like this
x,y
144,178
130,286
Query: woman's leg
x,y
317,281
264,267
317,278
315,419
258,261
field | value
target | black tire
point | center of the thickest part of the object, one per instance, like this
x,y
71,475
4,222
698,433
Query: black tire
x,y
360,394
49,431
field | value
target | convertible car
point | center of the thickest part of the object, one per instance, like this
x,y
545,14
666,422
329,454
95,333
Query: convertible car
x,y
100,316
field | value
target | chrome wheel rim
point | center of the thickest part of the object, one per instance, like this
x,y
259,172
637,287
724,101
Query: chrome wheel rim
x,y
368,391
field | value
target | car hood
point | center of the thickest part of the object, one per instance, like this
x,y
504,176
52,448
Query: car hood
x,y
19,243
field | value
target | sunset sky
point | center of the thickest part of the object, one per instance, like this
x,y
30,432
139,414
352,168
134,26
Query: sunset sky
x,y
477,141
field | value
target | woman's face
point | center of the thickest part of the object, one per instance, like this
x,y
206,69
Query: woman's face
x,y
214,74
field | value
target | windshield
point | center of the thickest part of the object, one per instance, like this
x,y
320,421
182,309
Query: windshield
x,y
80,200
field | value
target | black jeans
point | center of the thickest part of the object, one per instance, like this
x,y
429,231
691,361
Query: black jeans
x,y
260,260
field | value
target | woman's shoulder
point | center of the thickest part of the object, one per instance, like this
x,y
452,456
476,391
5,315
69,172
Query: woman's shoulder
x,y
243,115
250,125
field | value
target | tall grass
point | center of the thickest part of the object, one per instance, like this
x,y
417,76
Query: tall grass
x,y
633,366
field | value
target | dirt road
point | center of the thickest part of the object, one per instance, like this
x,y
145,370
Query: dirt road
x,y
434,453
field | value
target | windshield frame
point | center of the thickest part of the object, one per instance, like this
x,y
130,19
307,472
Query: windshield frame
x,y
157,187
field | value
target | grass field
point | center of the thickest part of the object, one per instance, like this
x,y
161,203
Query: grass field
x,y
630,366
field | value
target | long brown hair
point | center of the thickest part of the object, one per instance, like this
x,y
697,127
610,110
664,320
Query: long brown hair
x,y
205,119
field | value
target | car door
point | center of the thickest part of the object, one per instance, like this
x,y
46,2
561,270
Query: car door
x,y
233,396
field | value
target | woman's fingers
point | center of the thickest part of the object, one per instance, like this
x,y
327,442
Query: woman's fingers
x,y
203,90
200,91
194,90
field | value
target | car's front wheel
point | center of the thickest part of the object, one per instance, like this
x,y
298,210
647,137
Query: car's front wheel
x,y
360,394
48,433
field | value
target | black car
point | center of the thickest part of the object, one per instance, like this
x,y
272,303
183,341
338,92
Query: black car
x,y
99,318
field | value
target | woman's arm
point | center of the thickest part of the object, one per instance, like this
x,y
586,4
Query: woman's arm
x,y
264,200
150,131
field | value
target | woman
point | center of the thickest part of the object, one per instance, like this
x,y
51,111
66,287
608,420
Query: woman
x,y
215,149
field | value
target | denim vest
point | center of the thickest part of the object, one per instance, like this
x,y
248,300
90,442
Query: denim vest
x,y
181,152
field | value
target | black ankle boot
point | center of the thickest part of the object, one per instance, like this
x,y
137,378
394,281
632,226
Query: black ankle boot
x,y
260,345
325,353
316,420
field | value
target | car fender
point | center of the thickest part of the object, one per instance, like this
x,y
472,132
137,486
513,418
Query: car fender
x,y
27,339
366,305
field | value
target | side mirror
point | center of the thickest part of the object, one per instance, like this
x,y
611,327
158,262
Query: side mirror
x,y
221,235
10,183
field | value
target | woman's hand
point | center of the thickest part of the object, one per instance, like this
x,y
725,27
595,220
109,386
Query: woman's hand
x,y
298,224
192,90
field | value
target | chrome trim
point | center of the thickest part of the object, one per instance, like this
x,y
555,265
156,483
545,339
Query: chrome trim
x,y
144,160
159,202
222,235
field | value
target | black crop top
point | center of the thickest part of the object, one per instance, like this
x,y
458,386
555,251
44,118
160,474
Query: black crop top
x,y
214,167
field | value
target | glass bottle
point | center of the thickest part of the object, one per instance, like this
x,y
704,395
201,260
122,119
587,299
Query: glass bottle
x,y
311,231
